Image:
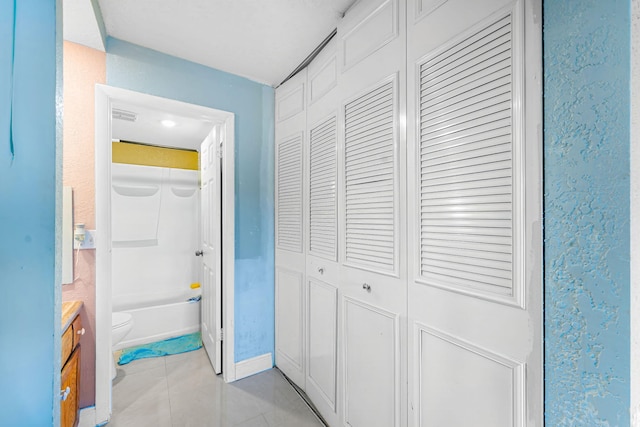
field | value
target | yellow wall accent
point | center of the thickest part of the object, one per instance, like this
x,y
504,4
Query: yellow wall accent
x,y
147,155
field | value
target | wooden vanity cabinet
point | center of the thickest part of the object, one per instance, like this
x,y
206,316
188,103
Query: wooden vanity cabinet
x,y
70,358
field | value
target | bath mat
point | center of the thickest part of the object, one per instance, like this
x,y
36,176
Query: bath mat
x,y
176,345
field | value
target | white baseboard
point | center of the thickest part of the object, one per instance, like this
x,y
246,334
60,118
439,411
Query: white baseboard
x,y
87,417
254,365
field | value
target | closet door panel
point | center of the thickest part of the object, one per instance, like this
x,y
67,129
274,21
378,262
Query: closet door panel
x,y
290,323
322,333
322,234
474,212
290,238
372,182
371,372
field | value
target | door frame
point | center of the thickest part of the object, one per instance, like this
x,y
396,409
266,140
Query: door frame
x,y
105,96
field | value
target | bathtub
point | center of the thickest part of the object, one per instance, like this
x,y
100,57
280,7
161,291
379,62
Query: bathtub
x,y
160,319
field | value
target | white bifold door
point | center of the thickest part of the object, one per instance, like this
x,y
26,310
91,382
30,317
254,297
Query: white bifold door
x,y
408,217
322,233
290,292
372,87
474,74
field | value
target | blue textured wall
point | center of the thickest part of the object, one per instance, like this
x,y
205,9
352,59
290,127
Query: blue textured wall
x,y
144,70
586,173
29,294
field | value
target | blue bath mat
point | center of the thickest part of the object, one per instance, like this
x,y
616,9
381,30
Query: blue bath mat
x,y
176,345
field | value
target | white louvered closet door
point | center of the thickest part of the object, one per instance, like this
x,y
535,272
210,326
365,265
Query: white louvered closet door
x,y
372,285
322,234
475,202
290,289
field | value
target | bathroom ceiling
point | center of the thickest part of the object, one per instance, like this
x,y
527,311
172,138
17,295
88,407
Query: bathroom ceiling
x,y
263,40
190,128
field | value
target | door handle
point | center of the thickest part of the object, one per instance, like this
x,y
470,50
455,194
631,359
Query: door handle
x,y
65,393
366,287
199,253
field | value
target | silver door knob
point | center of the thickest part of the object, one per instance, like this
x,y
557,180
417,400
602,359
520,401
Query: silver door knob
x,y
366,287
199,253
81,331
320,270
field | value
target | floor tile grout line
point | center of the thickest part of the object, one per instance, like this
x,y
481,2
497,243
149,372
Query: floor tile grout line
x,y
166,378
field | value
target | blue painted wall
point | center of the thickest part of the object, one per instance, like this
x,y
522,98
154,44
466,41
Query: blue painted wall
x,y
29,186
586,173
143,70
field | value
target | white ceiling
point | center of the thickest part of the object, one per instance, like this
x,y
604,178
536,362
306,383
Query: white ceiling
x,y
80,24
263,40
190,130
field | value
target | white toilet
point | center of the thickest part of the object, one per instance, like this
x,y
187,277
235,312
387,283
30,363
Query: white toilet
x,y
121,324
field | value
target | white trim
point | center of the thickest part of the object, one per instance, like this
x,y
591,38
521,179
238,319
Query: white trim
x,y
228,248
104,97
634,213
254,365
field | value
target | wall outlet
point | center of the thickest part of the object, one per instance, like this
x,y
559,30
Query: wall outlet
x,y
89,241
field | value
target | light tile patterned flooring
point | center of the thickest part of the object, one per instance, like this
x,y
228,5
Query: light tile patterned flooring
x,y
182,390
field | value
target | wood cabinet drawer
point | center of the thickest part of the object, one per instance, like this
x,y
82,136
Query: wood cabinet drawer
x,y
77,331
67,344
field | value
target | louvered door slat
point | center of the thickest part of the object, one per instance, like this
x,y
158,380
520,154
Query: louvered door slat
x,y
491,55
370,175
322,190
289,190
467,47
466,163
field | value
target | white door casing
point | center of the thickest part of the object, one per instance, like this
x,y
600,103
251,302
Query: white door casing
x,y
105,97
210,201
474,213
371,165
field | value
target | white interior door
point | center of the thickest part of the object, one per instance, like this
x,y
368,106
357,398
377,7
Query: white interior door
x,y
475,207
210,201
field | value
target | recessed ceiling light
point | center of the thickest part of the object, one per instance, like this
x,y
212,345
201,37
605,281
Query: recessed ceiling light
x,y
168,123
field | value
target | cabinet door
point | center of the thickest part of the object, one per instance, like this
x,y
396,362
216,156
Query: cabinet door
x,y
70,378
372,286
290,303
475,286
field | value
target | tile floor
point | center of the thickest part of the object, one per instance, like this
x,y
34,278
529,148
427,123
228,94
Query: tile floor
x,y
182,390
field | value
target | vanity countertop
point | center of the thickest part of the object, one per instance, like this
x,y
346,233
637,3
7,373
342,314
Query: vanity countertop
x,y
69,311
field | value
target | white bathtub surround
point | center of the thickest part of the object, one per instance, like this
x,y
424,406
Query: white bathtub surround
x,y
154,232
162,321
155,235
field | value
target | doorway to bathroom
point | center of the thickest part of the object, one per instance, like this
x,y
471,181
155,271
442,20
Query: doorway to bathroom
x,y
191,128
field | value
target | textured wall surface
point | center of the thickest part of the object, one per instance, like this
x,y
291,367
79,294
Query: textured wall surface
x,y
143,70
586,155
83,68
635,213
29,186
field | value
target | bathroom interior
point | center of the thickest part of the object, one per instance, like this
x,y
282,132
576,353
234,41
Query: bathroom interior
x,y
155,216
